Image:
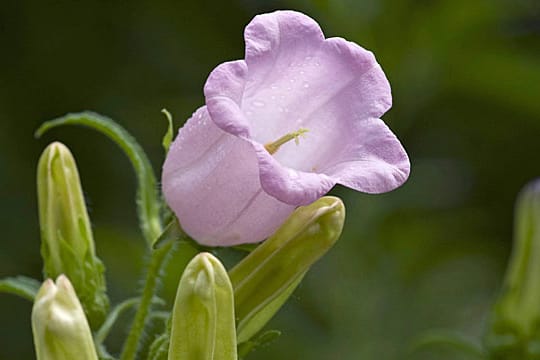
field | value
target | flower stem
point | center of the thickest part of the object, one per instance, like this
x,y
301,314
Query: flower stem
x,y
157,263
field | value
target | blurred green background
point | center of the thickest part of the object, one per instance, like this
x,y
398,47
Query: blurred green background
x,y
466,84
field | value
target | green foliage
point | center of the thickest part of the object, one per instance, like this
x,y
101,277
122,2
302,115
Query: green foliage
x,y
168,137
147,198
430,255
266,278
67,243
22,286
455,341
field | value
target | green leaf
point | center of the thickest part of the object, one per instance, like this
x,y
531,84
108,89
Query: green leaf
x,y
450,339
159,350
22,286
118,310
251,325
264,339
148,201
167,138
172,232
245,247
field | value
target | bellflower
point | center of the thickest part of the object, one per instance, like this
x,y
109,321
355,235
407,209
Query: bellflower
x,y
280,128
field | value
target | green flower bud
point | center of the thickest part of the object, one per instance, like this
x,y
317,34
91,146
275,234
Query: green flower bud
x,y
265,279
59,325
203,326
67,243
514,331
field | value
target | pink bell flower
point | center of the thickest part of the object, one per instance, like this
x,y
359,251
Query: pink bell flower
x,y
300,114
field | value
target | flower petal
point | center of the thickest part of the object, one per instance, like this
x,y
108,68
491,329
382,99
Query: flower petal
x,y
297,79
211,181
223,90
289,185
294,73
374,163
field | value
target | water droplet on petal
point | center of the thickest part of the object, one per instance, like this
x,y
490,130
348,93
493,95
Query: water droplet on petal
x,y
308,58
306,85
273,87
258,103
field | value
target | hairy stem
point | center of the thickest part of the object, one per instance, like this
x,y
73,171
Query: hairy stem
x,y
157,263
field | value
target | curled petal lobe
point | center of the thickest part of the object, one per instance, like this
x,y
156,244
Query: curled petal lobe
x,y
289,185
224,90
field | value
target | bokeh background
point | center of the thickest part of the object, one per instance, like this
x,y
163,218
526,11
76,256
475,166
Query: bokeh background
x,y
466,84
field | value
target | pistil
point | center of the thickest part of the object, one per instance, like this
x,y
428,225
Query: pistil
x,y
274,146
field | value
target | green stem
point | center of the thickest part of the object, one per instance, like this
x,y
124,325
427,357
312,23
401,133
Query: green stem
x,y
104,330
157,263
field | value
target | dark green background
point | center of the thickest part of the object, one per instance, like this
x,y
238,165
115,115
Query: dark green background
x,y
466,82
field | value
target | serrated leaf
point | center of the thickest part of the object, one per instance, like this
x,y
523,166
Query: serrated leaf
x,y
148,202
22,286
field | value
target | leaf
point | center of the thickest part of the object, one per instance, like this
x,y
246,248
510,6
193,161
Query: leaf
x,y
159,349
450,339
22,286
264,339
172,232
167,138
258,319
148,201
245,247
118,310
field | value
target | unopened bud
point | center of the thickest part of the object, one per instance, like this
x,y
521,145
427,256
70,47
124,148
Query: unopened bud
x,y
514,331
67,243
203,326
265,279
59,326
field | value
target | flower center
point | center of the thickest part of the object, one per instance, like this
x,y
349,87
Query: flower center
x,y
274,146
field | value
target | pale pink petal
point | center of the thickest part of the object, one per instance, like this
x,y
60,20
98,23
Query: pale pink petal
x,y
374,163
223,90
297,79
289,185
210,179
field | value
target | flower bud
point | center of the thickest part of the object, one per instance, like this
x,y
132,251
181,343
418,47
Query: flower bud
x,y
67,244
203,326
60,328
265,278
514,330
